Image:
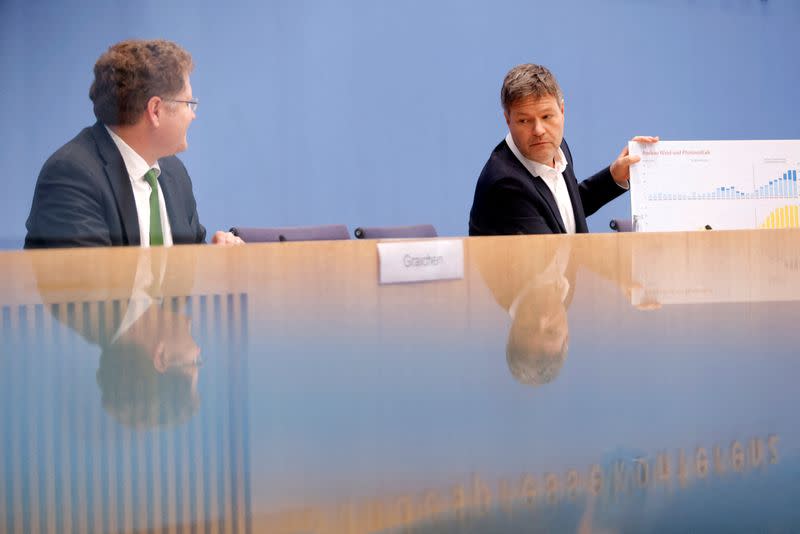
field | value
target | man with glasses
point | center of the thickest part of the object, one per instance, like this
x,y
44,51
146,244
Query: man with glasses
x,y
118,182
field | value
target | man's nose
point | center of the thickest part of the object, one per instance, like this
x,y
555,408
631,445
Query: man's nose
x,y
538,128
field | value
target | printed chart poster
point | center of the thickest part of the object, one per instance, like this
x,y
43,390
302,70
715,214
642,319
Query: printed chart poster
x,y
719,185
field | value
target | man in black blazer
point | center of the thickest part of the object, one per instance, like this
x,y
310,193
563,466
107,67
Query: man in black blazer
x,y
119,182
528,185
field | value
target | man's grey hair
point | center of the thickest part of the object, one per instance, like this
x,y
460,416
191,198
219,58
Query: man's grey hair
x,y
529,80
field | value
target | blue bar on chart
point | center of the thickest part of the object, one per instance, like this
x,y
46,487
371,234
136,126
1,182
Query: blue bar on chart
x,y
783,187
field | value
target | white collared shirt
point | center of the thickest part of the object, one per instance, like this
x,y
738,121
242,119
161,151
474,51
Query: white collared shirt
x,y
554,178
150,269
137,167
554,273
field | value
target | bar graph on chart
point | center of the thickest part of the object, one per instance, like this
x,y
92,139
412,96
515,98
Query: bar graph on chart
x,y
691,185
784,217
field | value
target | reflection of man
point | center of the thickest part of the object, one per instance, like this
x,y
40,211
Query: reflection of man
x,y
535,289
148,372
119,182
528,186
539,334
148,367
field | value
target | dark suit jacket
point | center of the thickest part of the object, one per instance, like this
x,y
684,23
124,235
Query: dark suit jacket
x,y
509,200
83,197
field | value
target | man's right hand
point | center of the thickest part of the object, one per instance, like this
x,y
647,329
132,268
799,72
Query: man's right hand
x,y
226,239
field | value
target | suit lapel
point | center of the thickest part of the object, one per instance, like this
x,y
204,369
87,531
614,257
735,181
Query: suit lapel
x,y
574,193
545,192
120,183
168,189
539,186
574,197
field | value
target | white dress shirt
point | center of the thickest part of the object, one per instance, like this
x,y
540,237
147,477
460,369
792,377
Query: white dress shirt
x,y
150,269
137,167
554,178
554,273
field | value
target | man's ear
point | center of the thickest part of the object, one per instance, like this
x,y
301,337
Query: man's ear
x,y
154,111
160,357
562,106
508,119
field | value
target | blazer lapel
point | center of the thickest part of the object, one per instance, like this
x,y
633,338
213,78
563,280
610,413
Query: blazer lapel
x,y
545,192
575,198
168,189
539,185
120,183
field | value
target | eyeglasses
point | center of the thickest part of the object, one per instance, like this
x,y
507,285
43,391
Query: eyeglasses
x,y
192,104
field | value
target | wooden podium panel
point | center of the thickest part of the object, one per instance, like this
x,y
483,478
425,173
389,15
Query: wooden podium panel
x,y
592,383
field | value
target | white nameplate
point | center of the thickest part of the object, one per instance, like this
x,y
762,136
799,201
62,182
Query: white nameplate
x,y
421,261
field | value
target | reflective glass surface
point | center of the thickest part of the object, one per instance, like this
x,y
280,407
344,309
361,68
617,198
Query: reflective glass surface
x,y
600,383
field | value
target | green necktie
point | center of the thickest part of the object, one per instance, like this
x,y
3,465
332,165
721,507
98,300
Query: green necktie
x,y
156,234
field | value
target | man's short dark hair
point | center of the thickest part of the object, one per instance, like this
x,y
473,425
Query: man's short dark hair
x,y
129,73
137,395
529,80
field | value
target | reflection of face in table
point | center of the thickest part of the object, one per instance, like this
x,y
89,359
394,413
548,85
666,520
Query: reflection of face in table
x,y
539,335
148,376
534,285
148,367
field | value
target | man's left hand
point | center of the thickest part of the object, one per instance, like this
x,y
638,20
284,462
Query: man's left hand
x,y
621,168
226,238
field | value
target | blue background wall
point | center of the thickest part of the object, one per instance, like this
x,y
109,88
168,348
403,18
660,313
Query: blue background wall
x,y
370,112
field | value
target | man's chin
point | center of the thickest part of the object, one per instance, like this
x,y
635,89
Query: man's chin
x,y
542,154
